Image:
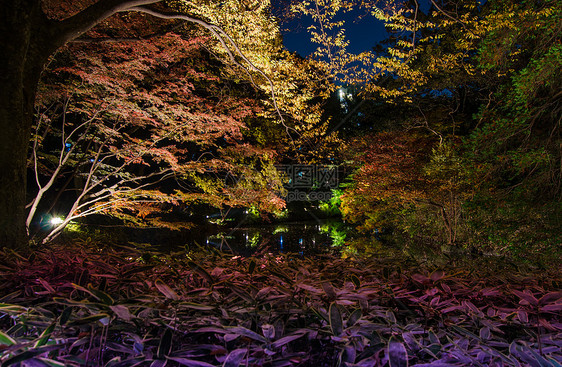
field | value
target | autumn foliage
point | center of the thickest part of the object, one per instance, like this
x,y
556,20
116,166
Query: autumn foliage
x,y
390,179
142,106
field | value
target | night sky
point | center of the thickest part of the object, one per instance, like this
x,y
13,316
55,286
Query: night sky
x,y
363,31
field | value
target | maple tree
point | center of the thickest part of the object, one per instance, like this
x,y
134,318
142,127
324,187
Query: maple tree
x,y
152,97
388,178
139,116
42,28
301,85
407,182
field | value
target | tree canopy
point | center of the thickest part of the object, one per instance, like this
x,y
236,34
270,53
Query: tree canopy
x,y
459,109
173,84
482,81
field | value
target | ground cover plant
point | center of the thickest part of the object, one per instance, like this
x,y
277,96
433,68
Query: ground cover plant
x,y
86,304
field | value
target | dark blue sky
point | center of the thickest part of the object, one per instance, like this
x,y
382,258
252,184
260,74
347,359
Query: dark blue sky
x,y
363,31
363,35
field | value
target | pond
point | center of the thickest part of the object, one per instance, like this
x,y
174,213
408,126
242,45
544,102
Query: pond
x,y
302,237
311,237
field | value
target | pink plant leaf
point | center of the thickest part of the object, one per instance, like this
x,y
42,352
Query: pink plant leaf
x,y
420,278
268,331
547,325
485,333
552,297
523,316
436,275
122,312
166,290
552,307
526,296
287,339
434,301
190,362
309,288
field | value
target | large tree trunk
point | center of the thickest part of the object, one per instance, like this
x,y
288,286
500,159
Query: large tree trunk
x,y
21,63
14,137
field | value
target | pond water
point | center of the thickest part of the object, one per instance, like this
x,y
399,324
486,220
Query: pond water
x,y
296,237
302,237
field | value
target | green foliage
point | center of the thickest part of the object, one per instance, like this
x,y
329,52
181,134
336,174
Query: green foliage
x,y
484,79
331,207
514,154
337,232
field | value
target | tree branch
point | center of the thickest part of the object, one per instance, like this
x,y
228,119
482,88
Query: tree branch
x,y
72,27
463,24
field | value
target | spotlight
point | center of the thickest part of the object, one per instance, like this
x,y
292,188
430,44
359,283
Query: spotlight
x,y
56,221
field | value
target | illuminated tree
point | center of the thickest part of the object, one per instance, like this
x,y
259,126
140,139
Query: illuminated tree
x,y
485,78
515,146
32,31
389,179
140,113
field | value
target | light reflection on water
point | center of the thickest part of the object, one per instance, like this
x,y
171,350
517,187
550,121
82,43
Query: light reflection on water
x,y
296,237
302,238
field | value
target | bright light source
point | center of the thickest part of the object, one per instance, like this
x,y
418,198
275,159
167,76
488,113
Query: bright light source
x,y
341,94
56,221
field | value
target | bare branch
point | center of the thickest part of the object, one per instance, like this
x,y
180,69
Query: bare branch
x,y
324,35
77,208
63,159
415,26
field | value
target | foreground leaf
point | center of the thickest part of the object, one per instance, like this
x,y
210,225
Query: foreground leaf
x,y
336,321
287,339
122,312
166,290
190,362
5,339
165,345
45,335
397,355
242,331
235,357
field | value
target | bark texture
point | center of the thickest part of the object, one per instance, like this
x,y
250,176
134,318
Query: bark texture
x,y
20,66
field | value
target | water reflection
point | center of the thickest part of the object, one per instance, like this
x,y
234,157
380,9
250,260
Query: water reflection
x,y
312,237
302,238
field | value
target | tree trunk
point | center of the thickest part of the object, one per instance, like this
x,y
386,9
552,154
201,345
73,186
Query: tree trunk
x,y
21,63
14,137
